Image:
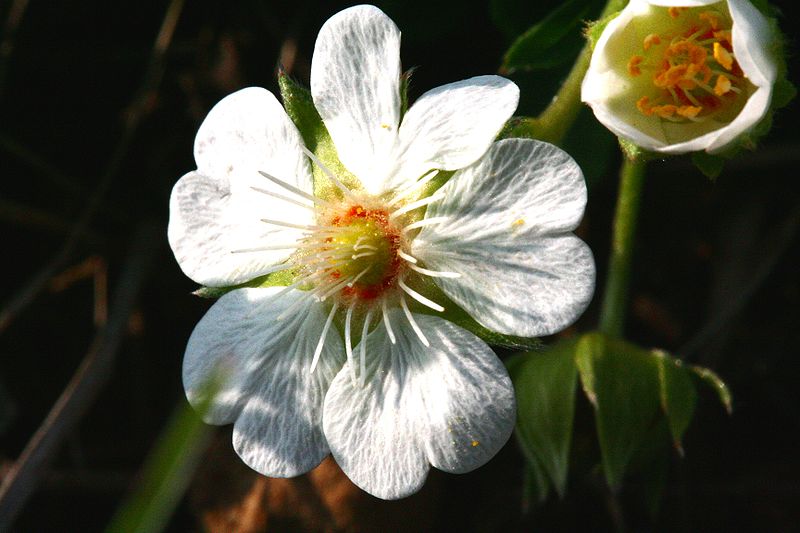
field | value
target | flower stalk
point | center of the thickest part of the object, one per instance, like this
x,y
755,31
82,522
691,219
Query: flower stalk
x,y
626,217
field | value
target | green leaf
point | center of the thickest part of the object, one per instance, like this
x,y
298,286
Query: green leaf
x,y
715,382
300,108
621,381
536,488
545,387
554,40
678,395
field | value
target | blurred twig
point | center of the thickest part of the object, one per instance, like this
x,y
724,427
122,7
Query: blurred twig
x,y
773,249
24,475
13,20
137,110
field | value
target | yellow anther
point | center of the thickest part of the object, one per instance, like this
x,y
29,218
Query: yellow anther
x,y
651,40
675,12
664,111
711,18
643,105
722,56
723,35
633,65
689,111
723,85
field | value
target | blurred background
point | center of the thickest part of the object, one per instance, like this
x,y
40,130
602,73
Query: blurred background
x,y
99,104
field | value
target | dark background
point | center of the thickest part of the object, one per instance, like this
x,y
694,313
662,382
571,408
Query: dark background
x,y
88,117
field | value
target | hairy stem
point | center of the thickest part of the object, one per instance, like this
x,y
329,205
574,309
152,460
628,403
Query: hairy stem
x,y
615,296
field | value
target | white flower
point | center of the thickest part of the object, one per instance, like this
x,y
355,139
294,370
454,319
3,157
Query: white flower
x,y
678,76
416,390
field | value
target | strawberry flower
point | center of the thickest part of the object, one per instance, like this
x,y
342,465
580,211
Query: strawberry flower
x,y
353,355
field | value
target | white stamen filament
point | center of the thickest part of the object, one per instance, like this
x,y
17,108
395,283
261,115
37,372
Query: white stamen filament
x,y
364,331
362,254
347,193
424,222
386,323
358,277
413,322
321,342
293,189
365,247
434,273
414,186
409,258
266,248
418,297
348,344
289,310
415,205
333,289
291,225
284,198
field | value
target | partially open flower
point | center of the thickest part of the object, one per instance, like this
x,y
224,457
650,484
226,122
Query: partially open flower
x,y
676,76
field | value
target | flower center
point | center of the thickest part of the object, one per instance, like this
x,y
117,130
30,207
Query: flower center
x,y
361,245
692,69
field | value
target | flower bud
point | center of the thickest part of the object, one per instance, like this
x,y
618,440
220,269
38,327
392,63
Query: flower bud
x,y
683,76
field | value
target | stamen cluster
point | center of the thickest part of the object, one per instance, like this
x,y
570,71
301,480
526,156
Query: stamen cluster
x,y
694,69
357,256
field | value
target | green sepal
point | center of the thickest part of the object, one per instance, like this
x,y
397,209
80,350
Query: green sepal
x,y
552,41
595,28
710,165
276,279
300,107
545,385
522,127
405,83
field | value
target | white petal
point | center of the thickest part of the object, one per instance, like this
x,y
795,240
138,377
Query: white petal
x,y
520,188
450,405
507,218
355,83
267,387
215,211
248,131
451,126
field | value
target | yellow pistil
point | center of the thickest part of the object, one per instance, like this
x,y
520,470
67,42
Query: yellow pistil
x,y
723,85
633,65
722,56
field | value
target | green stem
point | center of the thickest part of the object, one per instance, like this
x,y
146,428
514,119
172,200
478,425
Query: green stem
x,y
615,296
555,121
